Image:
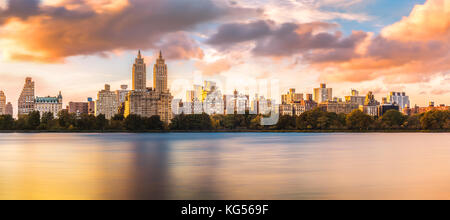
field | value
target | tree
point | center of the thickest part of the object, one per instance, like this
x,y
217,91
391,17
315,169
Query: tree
x,y
358,120
6,122
117,122
47,120
191,122
101,122
435,120
85,122
286,122
393,119
134,123
33,120
154,123
413,122
65,119
310,120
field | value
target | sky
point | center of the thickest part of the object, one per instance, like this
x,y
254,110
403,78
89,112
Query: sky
x,y
77,46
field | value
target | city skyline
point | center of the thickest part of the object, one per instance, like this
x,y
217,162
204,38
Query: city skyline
x,y
203,46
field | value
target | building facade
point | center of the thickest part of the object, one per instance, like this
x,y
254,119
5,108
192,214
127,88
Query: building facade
x,y
49,104
78,108
139,77
431,107
291,97
106,103
122,94
149,102
91,106
323,94
383,108
338,107
355,98
2,103
9,109
160,75
399,98
370,105
26,98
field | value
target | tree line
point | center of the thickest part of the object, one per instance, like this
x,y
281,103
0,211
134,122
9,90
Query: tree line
x,y
314,120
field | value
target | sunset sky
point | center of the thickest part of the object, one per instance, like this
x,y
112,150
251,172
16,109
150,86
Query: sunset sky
x,y
76,46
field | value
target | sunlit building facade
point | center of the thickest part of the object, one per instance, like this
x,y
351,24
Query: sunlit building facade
x,y
149,102
49,104
106,103
323,94
400,99
9,109
2,103
26,99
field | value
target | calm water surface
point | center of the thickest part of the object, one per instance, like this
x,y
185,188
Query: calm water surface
x,y
225,166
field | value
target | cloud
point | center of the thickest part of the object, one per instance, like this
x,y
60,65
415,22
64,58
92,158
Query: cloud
x,y
440,92
412,50
213,68
76,27
289,39
178,46
240,32
430,21
305,11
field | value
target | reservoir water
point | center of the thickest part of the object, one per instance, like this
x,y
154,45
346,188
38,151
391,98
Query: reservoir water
x,y
225,166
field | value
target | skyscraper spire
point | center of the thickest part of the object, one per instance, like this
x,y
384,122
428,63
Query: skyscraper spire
x,y
160,54
139,54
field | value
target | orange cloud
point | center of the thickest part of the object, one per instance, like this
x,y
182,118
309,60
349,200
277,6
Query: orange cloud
x,y
55,29
412,50
430,21
213,68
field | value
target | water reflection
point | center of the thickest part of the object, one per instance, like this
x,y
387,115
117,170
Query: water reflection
x,y
225,166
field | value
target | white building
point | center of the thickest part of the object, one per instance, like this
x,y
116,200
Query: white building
x,y
323,94
400,99
49,104
122,94
106,103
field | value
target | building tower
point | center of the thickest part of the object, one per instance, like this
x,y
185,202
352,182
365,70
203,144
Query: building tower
x,y
139,74
323,94
26,99
160,75
9,109
2,103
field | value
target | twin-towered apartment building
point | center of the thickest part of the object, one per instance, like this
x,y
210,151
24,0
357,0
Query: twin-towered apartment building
x,y
141,100
157,100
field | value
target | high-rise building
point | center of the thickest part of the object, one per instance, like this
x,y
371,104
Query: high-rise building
x,y
49,104
370,106
2,103
355,98
106,103
91,106
151,101
79,108
323,94
160,75
139,74
291,97
9,109
26,99
338,107
400,99
122,94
